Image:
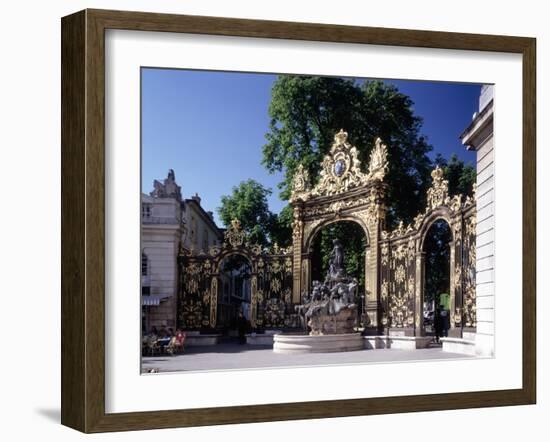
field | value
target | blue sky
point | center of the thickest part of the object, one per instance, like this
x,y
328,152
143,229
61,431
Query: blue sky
x,y
210,127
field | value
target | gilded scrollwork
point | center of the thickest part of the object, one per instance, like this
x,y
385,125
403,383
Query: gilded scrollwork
x,y
378,164
191,277
297,224
341,170
455,203
274,314
438,193
470,200
418,220
458,276
469,312
457,230
234,235
213,301
384,290
400,314
300,184
191,314
214,250
385,253
288,265
410,287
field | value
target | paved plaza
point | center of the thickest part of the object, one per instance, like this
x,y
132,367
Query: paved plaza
x,y
230,356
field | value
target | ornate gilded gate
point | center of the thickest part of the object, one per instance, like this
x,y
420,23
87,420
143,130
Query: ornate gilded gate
x,y
343,193
402,271
270,286
394,261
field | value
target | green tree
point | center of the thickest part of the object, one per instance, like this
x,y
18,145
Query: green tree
x,y
307,111
437,258
248,204
280,228
461,176
354,243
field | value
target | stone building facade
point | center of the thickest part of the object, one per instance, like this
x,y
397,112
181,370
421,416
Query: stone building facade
x,y
478,136
166,223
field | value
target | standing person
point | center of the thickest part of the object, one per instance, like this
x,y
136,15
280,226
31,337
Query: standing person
x,y
445,305
445,322
438,329
242,327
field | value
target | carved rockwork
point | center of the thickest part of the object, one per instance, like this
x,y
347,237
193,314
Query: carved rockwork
x,y
331,307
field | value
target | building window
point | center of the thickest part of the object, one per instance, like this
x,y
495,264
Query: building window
x,y
146,211
193,231
144,265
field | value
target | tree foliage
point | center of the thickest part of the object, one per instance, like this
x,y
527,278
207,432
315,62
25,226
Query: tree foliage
x,y
307,111
437,251
461,176
248,204
354,243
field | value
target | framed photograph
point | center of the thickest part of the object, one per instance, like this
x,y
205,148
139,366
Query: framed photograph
x,y
268,221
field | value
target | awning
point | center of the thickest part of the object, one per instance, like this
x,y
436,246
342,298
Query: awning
x,y
153,299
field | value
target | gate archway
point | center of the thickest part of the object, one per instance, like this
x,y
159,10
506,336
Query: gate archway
x,y
343,193
270,283
394,260
403,268
234,289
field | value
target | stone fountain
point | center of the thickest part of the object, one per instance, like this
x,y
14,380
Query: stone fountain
x,y
328,314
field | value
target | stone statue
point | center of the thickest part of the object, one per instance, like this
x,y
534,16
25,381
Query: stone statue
x,y
168,189
331,306
336,262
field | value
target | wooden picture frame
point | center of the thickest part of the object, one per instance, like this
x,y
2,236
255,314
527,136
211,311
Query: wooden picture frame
x,y
83,220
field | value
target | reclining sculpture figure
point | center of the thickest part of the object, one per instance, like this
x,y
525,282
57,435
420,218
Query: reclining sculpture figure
x,y
331,307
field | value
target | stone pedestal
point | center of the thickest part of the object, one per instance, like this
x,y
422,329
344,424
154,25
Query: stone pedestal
x,y
341,323
458,345
261,338
317,344
401,342
197,339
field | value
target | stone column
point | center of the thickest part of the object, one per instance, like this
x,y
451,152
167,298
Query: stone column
x,y
306,273
297,234
372,258
419,293
213,301
376,221
452,294
253,300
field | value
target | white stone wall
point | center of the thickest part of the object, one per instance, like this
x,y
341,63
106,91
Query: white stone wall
x,y
200,234
485,291
479,137
160,244
161,210
160,237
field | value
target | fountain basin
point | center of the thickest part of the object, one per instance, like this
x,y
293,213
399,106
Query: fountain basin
x,y
283,343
